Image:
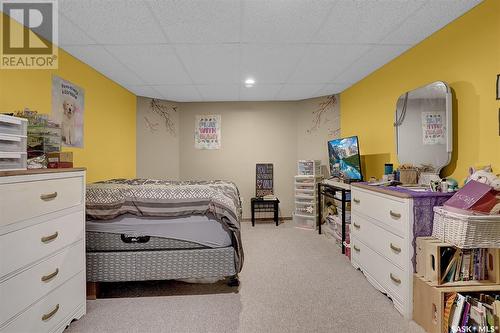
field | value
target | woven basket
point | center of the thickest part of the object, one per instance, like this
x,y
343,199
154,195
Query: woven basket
x,y
408,176
466,231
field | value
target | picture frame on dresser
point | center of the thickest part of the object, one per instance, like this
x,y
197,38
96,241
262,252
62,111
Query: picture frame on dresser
x,y
43,285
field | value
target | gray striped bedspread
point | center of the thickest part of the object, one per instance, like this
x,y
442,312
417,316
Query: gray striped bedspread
x,y
108,199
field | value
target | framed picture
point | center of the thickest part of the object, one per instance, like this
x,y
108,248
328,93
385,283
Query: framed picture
x,y
498,86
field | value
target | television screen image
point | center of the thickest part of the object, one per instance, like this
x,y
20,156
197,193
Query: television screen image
x,y
345,161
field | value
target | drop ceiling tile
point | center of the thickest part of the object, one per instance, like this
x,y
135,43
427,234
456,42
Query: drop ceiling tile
x,y
211,63
322,63
155,64
429,19
199,21
70,34
97,57
259,92
145,91
179,93
283,21
374,59
364,21
298,91
332,88
270,63
219,92
114,22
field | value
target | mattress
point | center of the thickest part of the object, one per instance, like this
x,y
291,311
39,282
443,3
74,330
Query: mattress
x,y
163,232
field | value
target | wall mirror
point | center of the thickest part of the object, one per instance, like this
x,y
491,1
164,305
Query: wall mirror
x,y
423,123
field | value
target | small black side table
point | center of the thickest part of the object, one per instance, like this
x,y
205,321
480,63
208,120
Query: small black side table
x,y
261,205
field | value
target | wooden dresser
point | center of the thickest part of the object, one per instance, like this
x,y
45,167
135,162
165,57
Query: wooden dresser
x,y
42,252
381,236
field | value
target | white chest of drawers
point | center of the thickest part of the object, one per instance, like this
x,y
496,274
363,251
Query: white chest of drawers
x,y
381,243
42,252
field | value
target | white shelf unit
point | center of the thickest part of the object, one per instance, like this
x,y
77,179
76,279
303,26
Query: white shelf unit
x,y
305,191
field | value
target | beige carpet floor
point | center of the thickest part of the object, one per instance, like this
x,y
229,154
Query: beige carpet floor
x,y
293,280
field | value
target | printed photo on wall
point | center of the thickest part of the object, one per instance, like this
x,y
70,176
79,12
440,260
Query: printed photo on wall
x,y
207,130
67,110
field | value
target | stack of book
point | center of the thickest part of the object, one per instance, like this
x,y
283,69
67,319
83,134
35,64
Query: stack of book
x,y
463,264
476,312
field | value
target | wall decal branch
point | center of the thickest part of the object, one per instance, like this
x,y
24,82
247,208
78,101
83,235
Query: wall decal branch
x,y
153,127
319,116
164,112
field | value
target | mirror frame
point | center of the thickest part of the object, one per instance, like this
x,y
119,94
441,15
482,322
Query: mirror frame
x,y
449,122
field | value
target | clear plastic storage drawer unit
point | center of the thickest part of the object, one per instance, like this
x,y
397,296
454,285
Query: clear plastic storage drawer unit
x,y
13,125
13,161
12,143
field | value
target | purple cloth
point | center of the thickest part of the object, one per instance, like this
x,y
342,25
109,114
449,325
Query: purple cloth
x,y
423,212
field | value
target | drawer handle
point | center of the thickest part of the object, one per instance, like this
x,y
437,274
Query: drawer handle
x,y
47,277
46,239
357,249
48,196
395,248
395,279
49,315
357,226
395,215
356,200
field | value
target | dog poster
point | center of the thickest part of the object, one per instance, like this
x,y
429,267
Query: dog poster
x,y
67,110
207,132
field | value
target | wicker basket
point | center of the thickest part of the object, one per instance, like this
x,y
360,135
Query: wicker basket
x,y
466,231
408,176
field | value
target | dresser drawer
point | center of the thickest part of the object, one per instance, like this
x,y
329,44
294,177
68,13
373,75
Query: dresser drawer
x,y
24,200
391,212
389,245
46,314
33,243
391,278
32,284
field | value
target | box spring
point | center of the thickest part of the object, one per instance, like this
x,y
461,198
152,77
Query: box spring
x,y
105,241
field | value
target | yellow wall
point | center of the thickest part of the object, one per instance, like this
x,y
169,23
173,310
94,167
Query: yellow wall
x,y
109,119
465,54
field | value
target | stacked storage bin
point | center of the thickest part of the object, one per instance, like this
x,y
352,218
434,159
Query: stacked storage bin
x,y
13,146
305,214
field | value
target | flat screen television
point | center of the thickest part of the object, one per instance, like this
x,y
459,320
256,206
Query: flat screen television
x,y
345,161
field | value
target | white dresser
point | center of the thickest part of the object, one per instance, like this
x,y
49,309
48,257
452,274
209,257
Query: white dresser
x,y
42,250
381,242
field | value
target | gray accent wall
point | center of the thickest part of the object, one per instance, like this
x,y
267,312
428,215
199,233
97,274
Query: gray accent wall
x,y
252,132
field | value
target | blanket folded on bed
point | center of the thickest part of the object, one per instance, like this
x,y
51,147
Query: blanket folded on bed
x,y
162,198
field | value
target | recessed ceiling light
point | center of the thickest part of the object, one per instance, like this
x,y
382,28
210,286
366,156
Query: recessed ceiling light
x,y
249,83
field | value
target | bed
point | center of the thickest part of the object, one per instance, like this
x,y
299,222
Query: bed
x,y
142,229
